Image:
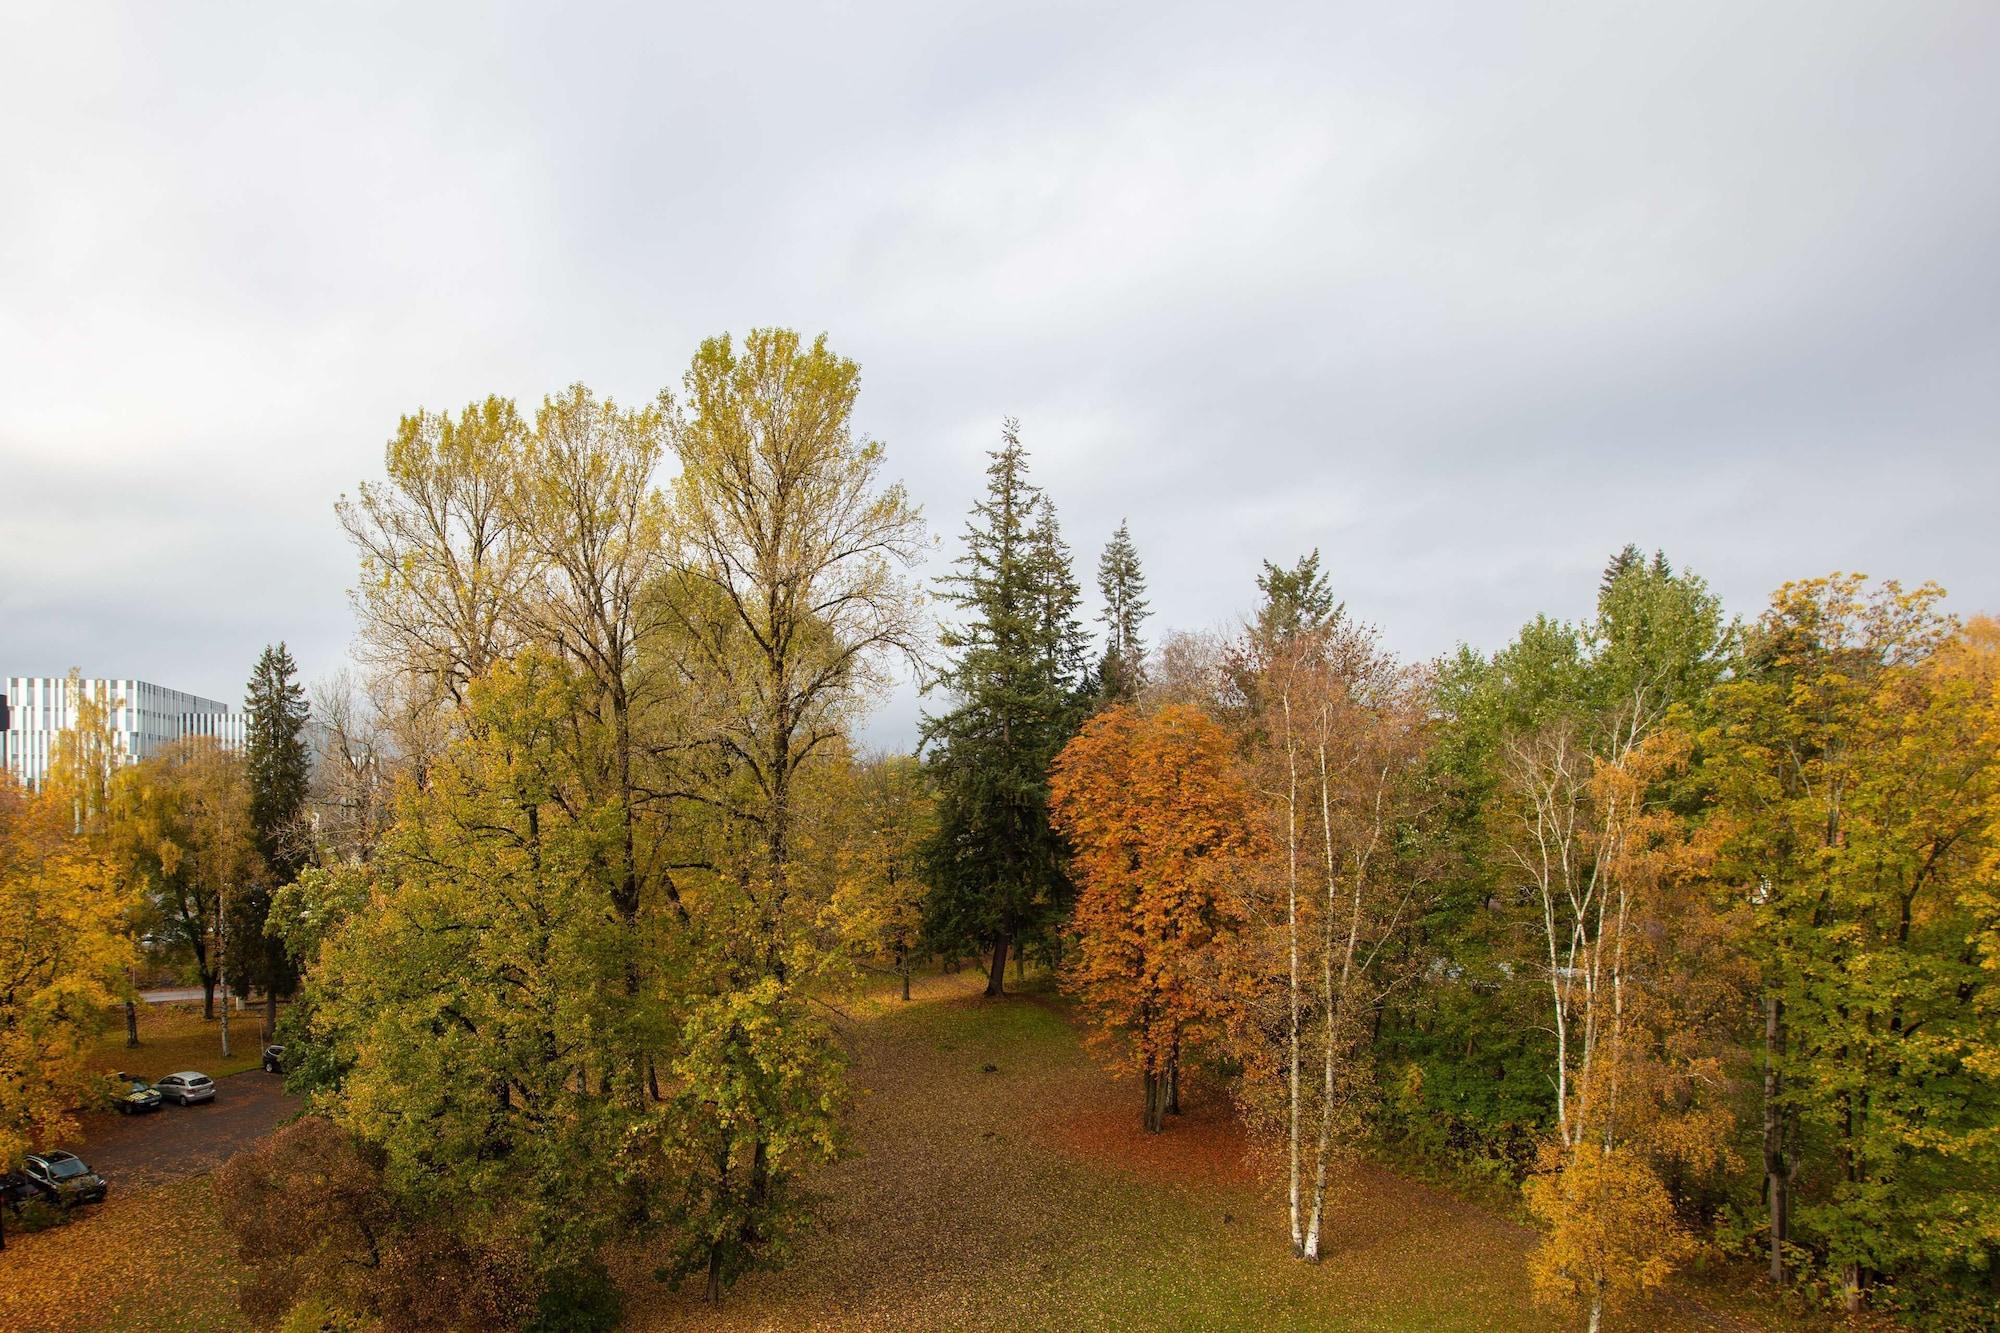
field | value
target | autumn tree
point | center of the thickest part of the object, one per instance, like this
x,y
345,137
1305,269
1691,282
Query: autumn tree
x,y
355,762
1161,826
180,828
1594,728
474,999
878,903
586,525
318,1228
441,563
64,951
1854,767
1611,1234
788,595
1333,729
1015,682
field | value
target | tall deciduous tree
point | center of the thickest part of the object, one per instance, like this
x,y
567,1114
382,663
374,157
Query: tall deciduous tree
x,y
1854,763
441,566
1161,826
788,594
1334,729
467,984
996,864
180,827
64,951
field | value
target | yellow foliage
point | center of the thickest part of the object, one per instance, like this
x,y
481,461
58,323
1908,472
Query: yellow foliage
x,y
63,958
1612,1234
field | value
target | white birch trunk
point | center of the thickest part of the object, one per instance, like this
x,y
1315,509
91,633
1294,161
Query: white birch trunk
x,y
1292,939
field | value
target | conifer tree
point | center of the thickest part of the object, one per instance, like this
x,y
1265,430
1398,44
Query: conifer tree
x,y
1123,587
278,770
996,866
1296,600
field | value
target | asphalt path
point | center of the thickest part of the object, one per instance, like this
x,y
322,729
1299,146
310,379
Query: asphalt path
x,y
146,1149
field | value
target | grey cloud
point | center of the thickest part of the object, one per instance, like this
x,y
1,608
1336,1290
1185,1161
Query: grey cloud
x,y
1466,296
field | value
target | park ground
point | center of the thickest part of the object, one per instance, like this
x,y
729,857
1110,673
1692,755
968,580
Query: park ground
x,y
999,1178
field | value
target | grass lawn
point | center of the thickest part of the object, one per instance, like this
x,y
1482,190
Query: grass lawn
x,y
173,1037
1029,1197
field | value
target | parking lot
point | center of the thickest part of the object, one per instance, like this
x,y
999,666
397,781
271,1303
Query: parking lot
x,y
138,1150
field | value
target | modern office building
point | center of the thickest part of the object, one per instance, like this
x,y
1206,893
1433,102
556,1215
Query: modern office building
x,y
144,717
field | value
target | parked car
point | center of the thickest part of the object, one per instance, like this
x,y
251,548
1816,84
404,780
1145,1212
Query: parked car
x,y
63,1178
274,1059
16,1189
135,1096
187,1086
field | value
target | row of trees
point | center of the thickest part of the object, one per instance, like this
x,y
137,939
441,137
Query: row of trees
x,y
1686,926
1689,926
111,861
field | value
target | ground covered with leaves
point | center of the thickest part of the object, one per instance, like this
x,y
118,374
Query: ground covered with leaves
x,y
1000,1179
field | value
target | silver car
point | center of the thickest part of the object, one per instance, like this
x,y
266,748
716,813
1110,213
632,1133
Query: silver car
x,y
185,1087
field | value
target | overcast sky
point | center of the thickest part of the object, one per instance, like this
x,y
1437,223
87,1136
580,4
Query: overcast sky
x,y
1466,297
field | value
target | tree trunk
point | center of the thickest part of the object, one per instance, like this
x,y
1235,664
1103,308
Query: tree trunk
x,y
1155,1103
996,978
1174,1081
1777,1180
270,1014
208,998
906,983
1020,967
713,1292
131,1023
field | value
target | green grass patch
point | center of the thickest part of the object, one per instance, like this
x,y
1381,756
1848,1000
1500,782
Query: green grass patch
x,y
174,1037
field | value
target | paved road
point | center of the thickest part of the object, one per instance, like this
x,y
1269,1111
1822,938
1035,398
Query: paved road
x,y
192,995
182,995
173,1141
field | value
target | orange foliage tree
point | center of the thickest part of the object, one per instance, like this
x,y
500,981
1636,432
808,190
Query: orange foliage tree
x,y
1158,821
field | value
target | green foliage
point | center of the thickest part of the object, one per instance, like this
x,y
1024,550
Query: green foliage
x,y
475,1003
1121,673
1297,601
1853,771
995,864
277,769
580,1299
759,1096
1476,1032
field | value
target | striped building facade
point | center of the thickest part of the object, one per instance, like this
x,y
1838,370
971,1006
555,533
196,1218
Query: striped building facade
x,y
144,717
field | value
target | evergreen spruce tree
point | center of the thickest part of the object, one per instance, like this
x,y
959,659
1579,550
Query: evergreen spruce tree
x,y
1296,600
1122,672
1017,685
278,768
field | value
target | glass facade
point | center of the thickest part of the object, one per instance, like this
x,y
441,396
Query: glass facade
x,y
144,717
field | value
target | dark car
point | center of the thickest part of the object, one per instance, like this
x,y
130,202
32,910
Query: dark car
x,y
63,1178
187,1086
16,1189
274,1059
135,1096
